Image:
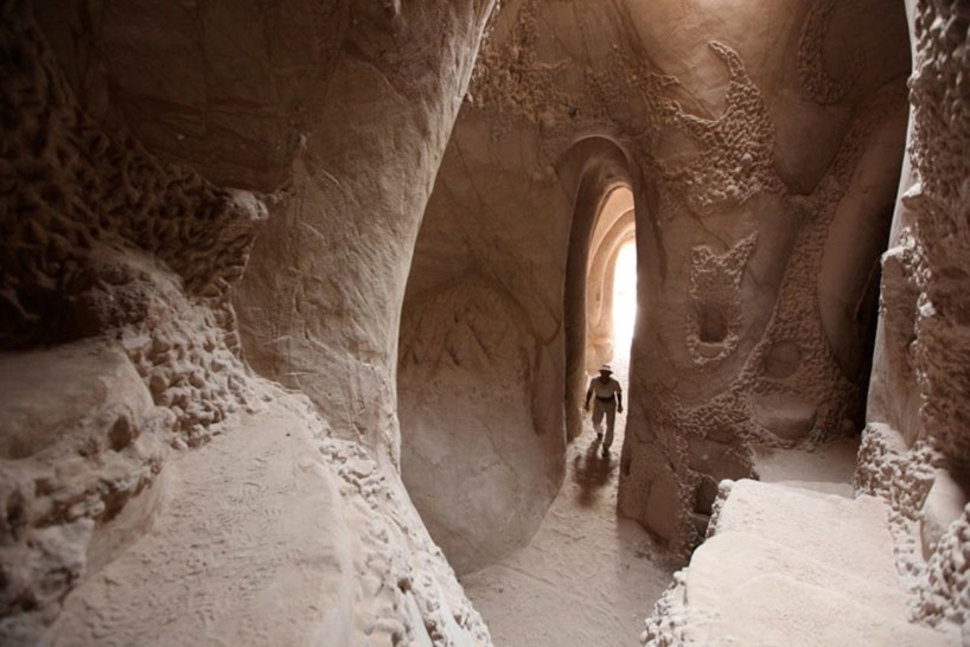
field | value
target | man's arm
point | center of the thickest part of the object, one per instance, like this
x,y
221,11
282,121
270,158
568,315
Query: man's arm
x,y
589,392
619,401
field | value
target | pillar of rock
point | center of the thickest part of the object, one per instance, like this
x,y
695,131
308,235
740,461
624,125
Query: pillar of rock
x,y
320,305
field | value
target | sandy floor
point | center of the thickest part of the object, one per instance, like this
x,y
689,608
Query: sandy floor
x,y
587,578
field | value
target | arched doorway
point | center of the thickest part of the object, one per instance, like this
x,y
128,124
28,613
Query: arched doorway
x,y
603,220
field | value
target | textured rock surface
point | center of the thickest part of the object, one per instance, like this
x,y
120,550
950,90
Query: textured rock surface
x,y
101,239
147,144
82,440
328,325
783,563
917,444
761,144
279,533
472,461
120,259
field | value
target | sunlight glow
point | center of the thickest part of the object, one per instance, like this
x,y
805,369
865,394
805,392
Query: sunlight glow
x,y
624,298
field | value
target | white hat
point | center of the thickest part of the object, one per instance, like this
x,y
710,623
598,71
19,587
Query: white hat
x,y
607,368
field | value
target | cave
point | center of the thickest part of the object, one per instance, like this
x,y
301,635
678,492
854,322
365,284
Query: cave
x,y
299,303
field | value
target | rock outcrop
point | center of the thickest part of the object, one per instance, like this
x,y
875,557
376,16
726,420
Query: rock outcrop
x,y
776,570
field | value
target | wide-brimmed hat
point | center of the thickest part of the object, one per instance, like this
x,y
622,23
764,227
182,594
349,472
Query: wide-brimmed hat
x,y
606,368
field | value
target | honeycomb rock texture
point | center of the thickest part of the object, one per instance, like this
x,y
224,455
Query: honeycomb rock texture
x,y
920,371
101,240
941,200
100,237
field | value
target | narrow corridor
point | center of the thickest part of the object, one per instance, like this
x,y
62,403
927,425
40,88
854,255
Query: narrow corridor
x,y
588,577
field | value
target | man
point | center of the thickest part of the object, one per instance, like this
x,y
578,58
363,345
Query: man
x,y
609,401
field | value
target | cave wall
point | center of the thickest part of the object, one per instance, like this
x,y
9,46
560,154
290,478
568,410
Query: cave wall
x,y
480,357
806,136
151,481
329,324
916,447
118,335
762,144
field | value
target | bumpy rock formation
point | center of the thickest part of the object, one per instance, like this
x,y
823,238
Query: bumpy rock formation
x,y
916,447
775,569
123,264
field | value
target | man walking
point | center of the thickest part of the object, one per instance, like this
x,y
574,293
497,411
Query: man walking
x,y
609,401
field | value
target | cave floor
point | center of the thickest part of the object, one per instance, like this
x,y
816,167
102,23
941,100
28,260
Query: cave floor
x,y
588,577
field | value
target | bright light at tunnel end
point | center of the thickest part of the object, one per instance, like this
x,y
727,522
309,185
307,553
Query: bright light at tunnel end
x,y
625,297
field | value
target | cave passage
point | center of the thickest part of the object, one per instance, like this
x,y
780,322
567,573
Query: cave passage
x,y
585,571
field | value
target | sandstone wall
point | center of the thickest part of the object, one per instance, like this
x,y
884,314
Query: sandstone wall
x,y
122,360
329,324
122,264
762,145
916,449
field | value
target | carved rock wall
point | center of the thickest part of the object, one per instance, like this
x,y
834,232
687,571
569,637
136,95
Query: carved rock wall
x,y
758,142
498,395
473,463
123,263
121,354
917,427
329,324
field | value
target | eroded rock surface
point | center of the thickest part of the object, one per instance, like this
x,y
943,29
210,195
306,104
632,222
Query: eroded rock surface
x,y
472,459
777,570
916,448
